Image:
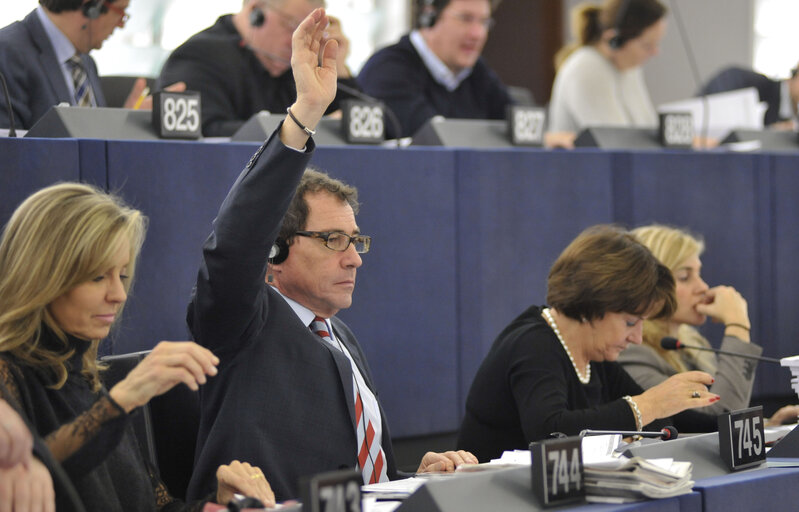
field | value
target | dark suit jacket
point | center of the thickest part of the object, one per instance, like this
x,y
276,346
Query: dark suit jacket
x,y
33,74
283,398
733,78
232,82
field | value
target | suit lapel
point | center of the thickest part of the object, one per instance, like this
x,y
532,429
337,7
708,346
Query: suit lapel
x,y
47,57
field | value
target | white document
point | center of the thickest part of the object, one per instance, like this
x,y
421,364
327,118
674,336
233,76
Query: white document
x,y
727,111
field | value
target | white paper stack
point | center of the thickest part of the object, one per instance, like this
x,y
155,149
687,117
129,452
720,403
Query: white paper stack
x,y
792,363
637,478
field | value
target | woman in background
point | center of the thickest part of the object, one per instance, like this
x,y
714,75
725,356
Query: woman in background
x,y
599,80
650,364
554,369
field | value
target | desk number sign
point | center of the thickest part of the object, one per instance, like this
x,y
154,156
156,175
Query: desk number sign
x,y
557,466
676,130
177,115
741,438
335,491
362,122
526,125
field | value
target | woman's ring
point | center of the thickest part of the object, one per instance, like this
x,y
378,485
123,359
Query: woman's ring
x,y
695,394
257,475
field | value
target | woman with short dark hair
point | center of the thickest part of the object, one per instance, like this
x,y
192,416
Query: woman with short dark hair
x,y
553,368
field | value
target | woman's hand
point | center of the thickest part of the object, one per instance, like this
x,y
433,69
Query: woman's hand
x,y
686,390
724,304
446,462
242,478
27,489
16,441
170,363
784,415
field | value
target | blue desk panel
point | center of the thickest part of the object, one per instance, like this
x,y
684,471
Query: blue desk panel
x,y
517,210
761,489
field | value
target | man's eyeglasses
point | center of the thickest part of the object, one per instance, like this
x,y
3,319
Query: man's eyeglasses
x,y
469,19
125,16
337,241
287,21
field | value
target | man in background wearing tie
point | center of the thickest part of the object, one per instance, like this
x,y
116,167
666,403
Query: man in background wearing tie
x,y
294,391
437,69
45,57
241,65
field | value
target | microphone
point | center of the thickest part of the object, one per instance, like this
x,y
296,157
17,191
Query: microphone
x,y
669,343
666,433
12,132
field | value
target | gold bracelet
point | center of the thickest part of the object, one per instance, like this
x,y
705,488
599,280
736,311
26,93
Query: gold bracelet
x,y
742,326
304,128
639,421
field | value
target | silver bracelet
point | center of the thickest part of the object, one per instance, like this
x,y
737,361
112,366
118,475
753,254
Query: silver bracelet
x,y
304,128
639,421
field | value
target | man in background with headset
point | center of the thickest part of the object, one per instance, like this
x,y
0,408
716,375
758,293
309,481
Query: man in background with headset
x,y
44,56
437,69
241,65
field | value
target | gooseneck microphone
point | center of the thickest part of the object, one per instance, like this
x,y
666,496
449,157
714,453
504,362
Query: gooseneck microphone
x,y
12,132
666,433
669,343
395,124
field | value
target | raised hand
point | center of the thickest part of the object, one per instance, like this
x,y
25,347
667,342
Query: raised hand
x,y
170,363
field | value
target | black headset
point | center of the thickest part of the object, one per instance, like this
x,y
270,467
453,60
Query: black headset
x,y
618,41
257,17
93,9
279,252
428,13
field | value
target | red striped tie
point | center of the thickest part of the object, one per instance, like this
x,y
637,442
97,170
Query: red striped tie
x,y
370,455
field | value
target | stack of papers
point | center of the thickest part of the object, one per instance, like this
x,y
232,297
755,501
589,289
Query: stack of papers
x,y
637,478
793,364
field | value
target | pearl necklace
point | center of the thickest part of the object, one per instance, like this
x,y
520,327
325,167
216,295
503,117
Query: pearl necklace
x,y
551,322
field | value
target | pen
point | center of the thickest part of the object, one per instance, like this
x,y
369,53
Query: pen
x,y
144,93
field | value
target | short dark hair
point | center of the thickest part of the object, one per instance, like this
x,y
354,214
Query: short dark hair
x,y
57,6
428,11
607,270
314,181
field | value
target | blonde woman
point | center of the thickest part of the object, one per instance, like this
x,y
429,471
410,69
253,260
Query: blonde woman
x,y
649,364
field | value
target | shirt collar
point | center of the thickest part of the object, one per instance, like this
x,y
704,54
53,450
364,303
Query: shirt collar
x,y
441,73
64,49
305,315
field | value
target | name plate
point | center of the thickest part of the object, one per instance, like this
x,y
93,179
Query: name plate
x,y
741,438
676,130
363,122
526,125
557,470
335,491
177,115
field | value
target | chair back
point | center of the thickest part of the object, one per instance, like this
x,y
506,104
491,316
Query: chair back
x,y
166,428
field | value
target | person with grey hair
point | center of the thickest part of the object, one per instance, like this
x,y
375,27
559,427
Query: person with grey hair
x,y
241,64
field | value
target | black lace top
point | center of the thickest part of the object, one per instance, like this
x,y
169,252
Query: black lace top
x,y
88,433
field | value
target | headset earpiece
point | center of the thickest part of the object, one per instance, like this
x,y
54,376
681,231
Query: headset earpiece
x,y
428,14
279,252
257,17
617,41
93,9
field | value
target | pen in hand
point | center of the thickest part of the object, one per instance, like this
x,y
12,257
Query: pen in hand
x,y
144,93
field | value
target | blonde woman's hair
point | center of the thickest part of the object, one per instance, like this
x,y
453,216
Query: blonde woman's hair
x,y
672,246
58,238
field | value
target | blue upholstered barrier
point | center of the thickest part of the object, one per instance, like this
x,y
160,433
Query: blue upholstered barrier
x,y
463,240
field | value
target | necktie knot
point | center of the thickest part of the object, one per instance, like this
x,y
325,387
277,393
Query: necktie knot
x,y
319,326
